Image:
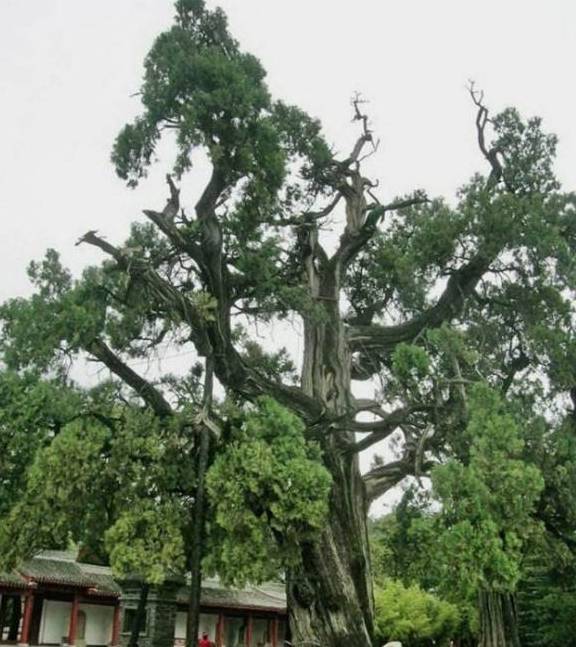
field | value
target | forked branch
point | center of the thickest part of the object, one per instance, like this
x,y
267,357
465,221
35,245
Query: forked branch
x,y
379,430
165,293
460,285
384,477
366,135
353,241
491,154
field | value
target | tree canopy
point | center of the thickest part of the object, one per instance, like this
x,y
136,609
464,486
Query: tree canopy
x,y
434,300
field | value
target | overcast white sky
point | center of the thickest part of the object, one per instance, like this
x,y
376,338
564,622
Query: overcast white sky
x,y
68,68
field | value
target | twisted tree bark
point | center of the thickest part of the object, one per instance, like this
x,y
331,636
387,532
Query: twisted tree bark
x,y
330,595
498,620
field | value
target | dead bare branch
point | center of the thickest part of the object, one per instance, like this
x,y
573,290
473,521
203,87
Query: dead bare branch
x,y
491,155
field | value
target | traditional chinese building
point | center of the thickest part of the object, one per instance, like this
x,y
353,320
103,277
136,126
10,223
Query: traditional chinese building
x,y
54,600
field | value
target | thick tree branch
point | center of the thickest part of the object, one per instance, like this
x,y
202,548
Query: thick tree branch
x,y
384,477
368,340
460,285
209,199
380,429
516,365
165,221
366,404
166,294
207,336
366,135
308,217
228,364
91,238
353,240
150,394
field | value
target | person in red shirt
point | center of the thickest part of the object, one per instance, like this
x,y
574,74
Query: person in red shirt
x,y
204,641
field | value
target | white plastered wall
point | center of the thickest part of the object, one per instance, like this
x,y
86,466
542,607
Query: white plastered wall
x,y
180,628
55,621
99,620
56,618
208,623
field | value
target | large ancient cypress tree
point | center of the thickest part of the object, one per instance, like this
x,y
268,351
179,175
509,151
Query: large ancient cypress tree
x,y
425,295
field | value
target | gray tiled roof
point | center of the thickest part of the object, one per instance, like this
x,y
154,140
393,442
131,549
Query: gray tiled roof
x,y
268,597
54,571
12,580
60,568
102,582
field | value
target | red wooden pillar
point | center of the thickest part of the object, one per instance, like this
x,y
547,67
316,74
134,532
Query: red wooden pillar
x,y
115,640
249,631
72,627
274,636
220,630
26,618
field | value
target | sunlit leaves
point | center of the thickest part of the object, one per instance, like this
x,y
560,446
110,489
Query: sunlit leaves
x,y
409,614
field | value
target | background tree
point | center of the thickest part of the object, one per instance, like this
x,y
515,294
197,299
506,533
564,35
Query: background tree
x,y
408,555
32,413
425,295
546,590
487,507
507,537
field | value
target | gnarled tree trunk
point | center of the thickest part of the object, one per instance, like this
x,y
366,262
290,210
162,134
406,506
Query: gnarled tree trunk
x,y
330,592
330,596
498,620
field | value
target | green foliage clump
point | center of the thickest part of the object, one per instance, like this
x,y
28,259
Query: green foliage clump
x,y
118,482
269,493
63,496
147,540
110,484
529,152
404,544
413,616
410,363
32,411
488,502
547,599
200,84
557,618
